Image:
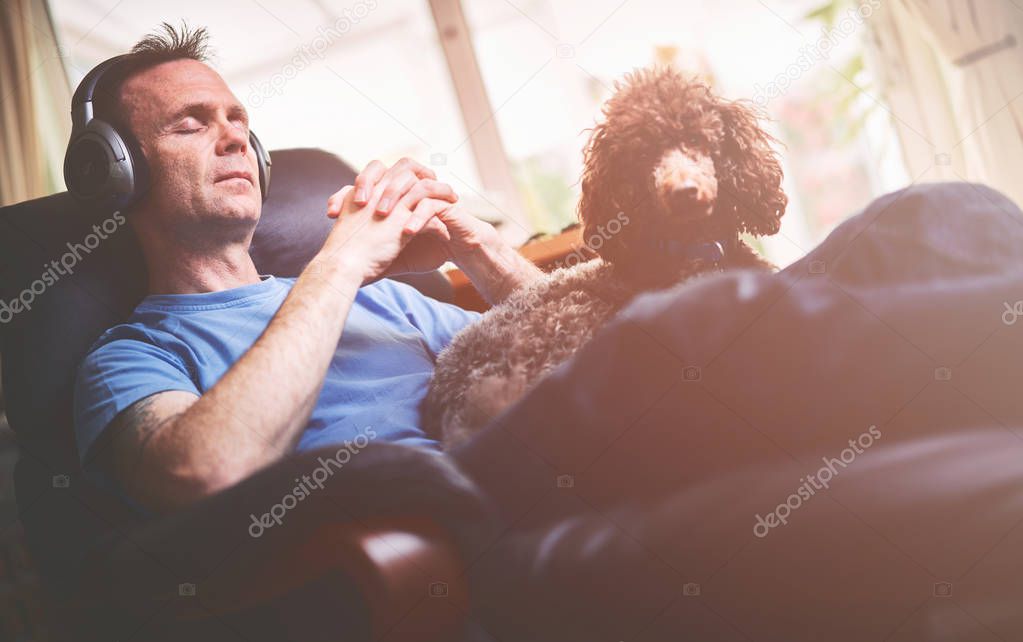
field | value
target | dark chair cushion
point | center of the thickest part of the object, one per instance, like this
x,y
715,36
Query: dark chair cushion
x,y
97,286
701,408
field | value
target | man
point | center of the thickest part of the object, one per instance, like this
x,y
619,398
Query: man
x,y
221,371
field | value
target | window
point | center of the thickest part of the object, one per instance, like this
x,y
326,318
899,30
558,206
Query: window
x,y
550,64
499,94
363,79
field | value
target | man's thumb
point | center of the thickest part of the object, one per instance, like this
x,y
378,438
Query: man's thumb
x,y
338,201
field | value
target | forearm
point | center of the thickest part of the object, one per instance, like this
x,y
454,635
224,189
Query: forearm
x,y
173,448
256,412
496,269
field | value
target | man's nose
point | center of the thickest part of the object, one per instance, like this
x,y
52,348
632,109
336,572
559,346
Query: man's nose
x,y
233,139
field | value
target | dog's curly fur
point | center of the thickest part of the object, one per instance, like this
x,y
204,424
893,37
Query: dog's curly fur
x,y
669,161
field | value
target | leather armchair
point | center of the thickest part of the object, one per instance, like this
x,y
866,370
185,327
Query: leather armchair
x,y
359,561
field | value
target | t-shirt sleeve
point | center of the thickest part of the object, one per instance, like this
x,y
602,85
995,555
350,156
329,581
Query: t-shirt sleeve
x,y
438,321
116,375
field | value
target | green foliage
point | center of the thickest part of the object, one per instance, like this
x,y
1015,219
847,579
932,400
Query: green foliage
x,y
827,13
849,91
548,199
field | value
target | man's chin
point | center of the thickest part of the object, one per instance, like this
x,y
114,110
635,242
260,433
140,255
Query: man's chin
x,y
237,207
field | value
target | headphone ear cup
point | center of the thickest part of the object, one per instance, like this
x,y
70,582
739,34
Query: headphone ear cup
x,y
103,169
139,166
264,162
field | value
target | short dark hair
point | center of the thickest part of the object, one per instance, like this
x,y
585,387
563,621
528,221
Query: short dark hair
x,y
164,44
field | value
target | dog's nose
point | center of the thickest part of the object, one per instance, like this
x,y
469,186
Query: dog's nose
x,y
687,201
688,192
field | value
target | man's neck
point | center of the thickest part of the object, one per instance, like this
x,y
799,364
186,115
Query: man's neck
x,y
181,270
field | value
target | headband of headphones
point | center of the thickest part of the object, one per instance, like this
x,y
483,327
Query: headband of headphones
x,y
81,101
105,167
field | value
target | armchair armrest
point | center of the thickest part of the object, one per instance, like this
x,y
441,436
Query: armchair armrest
x,y
393,524
408,570
547,254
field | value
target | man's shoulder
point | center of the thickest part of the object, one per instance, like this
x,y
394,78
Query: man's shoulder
x,y
132,337
128,331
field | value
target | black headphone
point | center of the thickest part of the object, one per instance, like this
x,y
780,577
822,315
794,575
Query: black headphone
x,y
105,167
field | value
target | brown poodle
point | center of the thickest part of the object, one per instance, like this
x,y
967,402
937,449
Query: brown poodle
x,y
672,177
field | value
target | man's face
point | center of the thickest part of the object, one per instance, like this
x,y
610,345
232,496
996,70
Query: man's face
x,y
194,135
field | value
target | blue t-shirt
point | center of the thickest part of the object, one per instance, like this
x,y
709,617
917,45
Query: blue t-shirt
x,y
378,375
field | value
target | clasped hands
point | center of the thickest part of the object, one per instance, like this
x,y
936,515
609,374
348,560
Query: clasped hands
x,y
402,219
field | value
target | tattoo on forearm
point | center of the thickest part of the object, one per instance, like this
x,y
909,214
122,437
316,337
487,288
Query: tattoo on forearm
x,y
137,426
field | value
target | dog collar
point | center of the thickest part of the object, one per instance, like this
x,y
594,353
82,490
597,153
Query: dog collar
x,y
713,252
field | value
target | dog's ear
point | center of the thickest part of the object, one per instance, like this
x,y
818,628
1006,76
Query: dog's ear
x,y
749,174
605,189
595,202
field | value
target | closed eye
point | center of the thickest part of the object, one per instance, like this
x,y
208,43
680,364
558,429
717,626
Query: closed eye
x,y
189,125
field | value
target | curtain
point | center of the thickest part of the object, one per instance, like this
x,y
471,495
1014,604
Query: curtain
x,y
34,100
952,71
